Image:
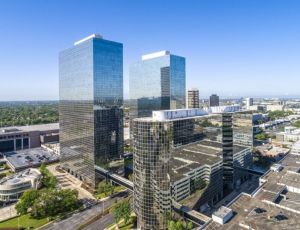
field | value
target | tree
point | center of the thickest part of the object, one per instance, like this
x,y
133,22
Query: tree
x,y
106,188
26,201
172,225
122,210
180,225
261,136
297,124
51,202
48,180
189,225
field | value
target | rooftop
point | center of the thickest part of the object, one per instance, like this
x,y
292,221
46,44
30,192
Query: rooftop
x,y
179,114
20,177
88,38
275,205
252,213
155,55
222,212
29,128
296,145
29,158
189,157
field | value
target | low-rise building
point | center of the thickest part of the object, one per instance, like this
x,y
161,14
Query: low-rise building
x,y
26,137
275,107
12,187
222,215
274,205
28,158
296,148
290,134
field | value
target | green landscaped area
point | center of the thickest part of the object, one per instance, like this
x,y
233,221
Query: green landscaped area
x,y
122,226
24,221
116,190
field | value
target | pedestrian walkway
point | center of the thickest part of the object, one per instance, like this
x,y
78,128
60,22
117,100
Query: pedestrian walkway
x,y
8,212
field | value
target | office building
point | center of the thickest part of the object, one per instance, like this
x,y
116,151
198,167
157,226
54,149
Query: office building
x,y
90,109
249,102
174,152
26,137
28,158
193,98
157,82
12,187
214,100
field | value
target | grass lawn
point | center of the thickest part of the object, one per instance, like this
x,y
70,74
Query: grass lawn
x,y
25,221
122,226
127,226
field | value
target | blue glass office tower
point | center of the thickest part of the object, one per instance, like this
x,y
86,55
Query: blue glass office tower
x,y
157,82
90,109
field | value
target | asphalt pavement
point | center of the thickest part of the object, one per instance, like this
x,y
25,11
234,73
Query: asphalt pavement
x,y
82,217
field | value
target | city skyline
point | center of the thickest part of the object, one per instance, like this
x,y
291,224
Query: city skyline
x,y
232,49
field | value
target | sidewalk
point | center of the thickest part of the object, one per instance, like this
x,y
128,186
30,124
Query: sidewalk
x,y
8,212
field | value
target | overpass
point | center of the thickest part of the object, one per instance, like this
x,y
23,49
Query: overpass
x,y
114,177
191,215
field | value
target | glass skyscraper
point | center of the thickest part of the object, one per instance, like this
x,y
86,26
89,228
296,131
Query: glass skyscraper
x,y
221,141
157,82
90,109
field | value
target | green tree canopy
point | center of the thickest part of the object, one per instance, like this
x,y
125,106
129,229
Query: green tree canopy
x,y
105,187
26,201
122,210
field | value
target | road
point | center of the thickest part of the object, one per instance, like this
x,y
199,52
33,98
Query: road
x,y
101,223
80,218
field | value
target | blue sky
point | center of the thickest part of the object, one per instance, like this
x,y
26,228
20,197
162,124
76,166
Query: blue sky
x,y
233,48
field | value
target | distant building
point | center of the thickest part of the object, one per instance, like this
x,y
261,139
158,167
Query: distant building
x,y
249,102
175,149
90,113
290,134
275,107
296,148
26,137
12,187
193,98
214,100
157,82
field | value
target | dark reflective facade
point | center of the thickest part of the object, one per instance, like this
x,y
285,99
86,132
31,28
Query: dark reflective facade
x,y
91,96
243,128
155,143
169,154
157,83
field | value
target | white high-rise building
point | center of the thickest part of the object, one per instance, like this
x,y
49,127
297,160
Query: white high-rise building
x,y
249,102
